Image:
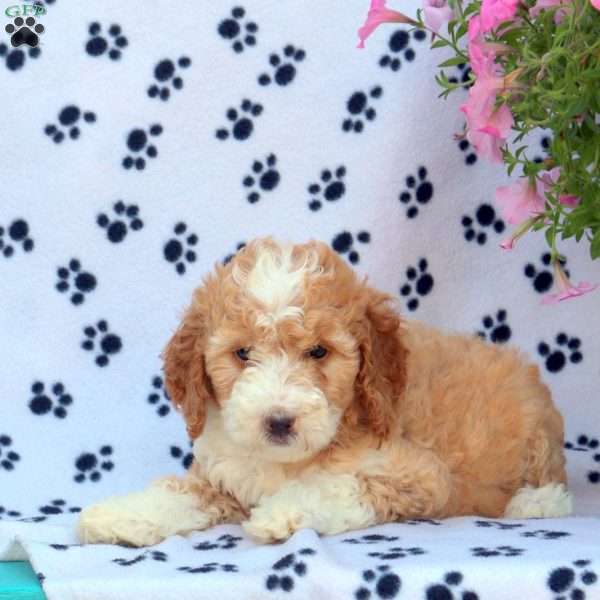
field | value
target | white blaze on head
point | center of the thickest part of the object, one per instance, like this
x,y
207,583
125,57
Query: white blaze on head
x,y
277,279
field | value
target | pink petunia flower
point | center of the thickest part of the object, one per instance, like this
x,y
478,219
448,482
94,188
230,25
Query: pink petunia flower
x,y
559,15
378,14
569,200
437,12
519,201
494,12
546,179
596,4
566,289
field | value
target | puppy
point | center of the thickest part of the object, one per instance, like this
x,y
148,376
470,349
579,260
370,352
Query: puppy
x,y
312,405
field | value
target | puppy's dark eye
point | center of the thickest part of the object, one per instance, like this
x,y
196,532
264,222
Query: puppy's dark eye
x,y
317,352
243,354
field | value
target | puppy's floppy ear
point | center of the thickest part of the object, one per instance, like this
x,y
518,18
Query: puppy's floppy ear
x,y
185,371
382,374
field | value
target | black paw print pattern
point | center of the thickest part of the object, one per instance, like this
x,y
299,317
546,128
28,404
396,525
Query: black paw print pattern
x,y
210,567
344,244
462,75
6,512
331,187
587,443
126,217
58,507
286,569
545,534
183,457
451,584
360,110
99,340
496,328
159,398
241,33
398,552
572,582
167,77
545,143
475,228
56,401
469,152
15,59
482,552
372,538
223,542
155,555
178,250
24,31
498,525
242,121
73,278
283,68
239,246
419,190
68,123
137,143
18,234
556,358
90,466
8,457
378,583
98,43
265,177
419,284
543,279
398,45
422,522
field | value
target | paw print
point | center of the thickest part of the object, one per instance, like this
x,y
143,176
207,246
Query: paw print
x,y
97,45
555,359
241,118
469,151
344,243
583,444
265,179
399,45
42,404
126,217
156,555
462,75
84,282
422,522
8,457
569,582
166,75
230,256
18,232
284,70
210,567
419,282
108,345
497,525
451,582
372,538
485,216
398,552
15,59
240,33
286,568
331,187
482,552
90,466
24,31
186,458
498,329
545,534
223,542
159,397
380,583
5,512
68,118
137,142
179,250
359,109
542,279
545,143
58,507
421,188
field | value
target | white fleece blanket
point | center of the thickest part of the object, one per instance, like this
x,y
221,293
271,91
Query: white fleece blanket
x,y
142,142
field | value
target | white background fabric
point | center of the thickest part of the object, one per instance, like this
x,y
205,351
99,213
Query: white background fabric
x,y
108,429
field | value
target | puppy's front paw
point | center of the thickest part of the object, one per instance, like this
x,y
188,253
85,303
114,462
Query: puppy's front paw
x,y
274,523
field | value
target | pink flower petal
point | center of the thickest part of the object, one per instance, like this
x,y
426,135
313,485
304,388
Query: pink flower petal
x,y
378,14
437,12
494,12
583,287
519,201
596,4
569,200
507,244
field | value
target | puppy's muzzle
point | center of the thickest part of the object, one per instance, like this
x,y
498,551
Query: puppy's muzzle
x,y
279,428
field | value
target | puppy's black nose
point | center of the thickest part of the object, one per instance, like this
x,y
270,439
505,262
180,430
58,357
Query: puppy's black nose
x,y
279,426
